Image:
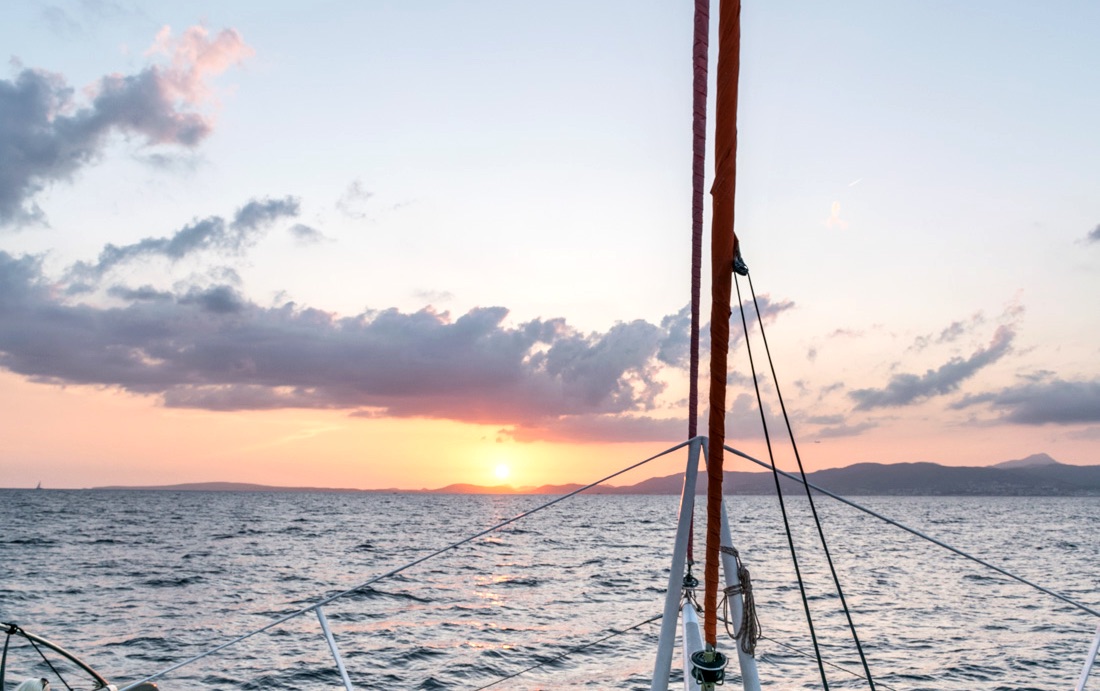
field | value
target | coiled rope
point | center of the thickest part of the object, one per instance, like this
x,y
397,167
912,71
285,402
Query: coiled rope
x,y
749,631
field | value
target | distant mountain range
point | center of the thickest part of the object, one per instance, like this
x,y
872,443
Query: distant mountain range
x,y
1036,475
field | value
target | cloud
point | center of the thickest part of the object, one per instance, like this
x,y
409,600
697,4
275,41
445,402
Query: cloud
x,y
306,235
1094,235
46,137
1056,402
845,430
602,429
259,213
434,296
904,389
951,333
352,203
211,348
194,57
209,234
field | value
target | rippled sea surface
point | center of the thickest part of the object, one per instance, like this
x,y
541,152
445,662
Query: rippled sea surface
x,y
135,581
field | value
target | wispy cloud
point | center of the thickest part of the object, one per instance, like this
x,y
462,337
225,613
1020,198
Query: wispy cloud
x,y
904,389
353,202
306,235
951,333
47,137
209,234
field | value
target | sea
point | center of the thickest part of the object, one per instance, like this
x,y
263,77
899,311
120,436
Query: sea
x,y
135,581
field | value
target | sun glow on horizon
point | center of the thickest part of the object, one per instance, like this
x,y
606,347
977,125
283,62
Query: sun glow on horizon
x,y
502,471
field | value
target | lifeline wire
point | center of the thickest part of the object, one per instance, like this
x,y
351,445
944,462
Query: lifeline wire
x,y
779,494
399,569
571,651
802,472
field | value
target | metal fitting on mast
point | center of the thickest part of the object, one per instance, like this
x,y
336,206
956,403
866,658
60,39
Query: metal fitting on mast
x,y
708,668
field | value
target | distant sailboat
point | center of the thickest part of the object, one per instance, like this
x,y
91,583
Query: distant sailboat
x,y
39,485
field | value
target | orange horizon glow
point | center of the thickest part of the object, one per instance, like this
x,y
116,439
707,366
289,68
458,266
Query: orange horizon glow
x,y
76,437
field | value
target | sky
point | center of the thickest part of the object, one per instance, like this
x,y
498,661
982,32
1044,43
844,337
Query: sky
x,y
387,244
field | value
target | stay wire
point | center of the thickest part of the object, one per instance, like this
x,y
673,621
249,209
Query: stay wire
x,y
572,651
394,571
779,491
809,495
803,653
923,536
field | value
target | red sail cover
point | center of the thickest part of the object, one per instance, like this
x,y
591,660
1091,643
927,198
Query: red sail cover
x,y
723,250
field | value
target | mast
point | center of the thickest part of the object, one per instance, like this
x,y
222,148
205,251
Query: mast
x,y
724,249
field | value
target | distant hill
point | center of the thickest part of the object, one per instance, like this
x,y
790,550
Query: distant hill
x,y
1035,459
1036,475
236,487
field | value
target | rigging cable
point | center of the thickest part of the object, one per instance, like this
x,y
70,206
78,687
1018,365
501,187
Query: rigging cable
x,y
394,571
802,473
914,531
803,653
779,494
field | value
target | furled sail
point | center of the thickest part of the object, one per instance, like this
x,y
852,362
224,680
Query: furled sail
x,y
724,250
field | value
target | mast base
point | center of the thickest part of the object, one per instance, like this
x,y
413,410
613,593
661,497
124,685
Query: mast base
x,y
708,668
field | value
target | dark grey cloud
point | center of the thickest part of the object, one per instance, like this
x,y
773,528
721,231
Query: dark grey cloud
x,y
139,294
46,136
1056,402
904,389
259,213
209,234
213,349
1094,235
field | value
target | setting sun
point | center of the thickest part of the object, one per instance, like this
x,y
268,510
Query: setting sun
x,y
502,471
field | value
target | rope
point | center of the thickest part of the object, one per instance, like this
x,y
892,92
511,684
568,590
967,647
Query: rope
x,y
399,569
572,651
802,472
914,531
749,631
779,494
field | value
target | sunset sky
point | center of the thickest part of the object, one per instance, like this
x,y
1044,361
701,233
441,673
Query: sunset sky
x,y
397,244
